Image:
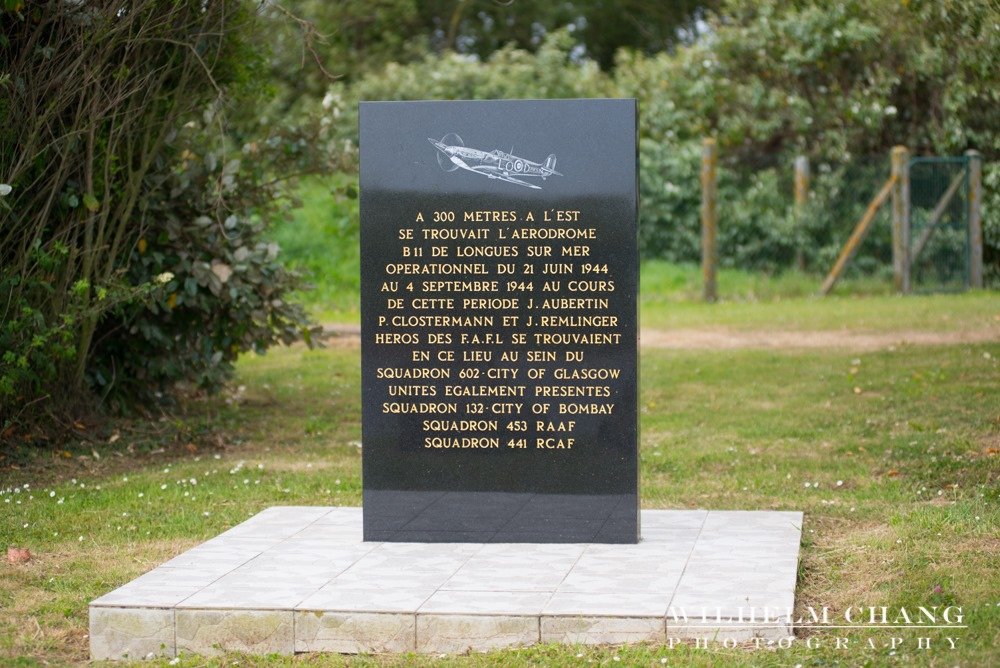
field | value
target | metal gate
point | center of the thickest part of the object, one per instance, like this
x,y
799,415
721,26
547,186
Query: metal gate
x,y
940,247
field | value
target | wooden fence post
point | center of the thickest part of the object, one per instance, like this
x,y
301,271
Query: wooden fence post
x,y
857,236
975,219
801,198
709,253
901,219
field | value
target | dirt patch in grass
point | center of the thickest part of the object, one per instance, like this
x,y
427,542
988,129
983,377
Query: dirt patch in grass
x,y
727,339
94,456
960,552
838,569
990,445
338,335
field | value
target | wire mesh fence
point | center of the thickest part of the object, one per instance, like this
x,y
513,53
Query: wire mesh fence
x,y
839,197
763,225
939,223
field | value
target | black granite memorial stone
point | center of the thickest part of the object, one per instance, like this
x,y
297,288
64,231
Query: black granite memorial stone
x,y
499,273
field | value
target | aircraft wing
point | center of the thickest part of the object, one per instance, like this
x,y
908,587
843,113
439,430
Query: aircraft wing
x,y
511,179
461,163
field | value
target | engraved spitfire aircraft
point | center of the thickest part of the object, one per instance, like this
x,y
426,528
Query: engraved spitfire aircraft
x,y
495,164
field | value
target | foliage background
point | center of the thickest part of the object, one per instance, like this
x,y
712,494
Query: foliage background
x,y
840,83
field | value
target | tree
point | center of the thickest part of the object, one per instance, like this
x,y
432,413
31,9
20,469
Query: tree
x,y
98,102
601,27
349,39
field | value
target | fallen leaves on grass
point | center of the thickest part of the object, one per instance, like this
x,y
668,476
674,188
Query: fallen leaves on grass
x,y
18,555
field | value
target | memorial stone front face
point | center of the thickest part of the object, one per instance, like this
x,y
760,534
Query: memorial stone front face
x,y
499,272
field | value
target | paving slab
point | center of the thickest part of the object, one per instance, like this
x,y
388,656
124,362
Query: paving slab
x,y
301,579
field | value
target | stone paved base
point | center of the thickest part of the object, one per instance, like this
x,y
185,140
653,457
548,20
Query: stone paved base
x,y
300,579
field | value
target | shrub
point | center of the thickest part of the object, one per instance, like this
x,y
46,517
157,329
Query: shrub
x,y
106,184
839,83
223,289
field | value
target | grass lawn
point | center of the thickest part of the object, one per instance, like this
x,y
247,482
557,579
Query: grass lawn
x,y
321,242
789,301
892,454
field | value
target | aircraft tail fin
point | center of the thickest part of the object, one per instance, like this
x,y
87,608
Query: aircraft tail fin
x,y
550,164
